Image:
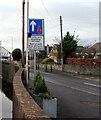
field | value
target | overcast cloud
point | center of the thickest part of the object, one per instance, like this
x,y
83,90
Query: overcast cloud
x,y
81,16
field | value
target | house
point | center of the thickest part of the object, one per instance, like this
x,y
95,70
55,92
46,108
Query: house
x,y
96,47
95,50
54,53
4,53
89,52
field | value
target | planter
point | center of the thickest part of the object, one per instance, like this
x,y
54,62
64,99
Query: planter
x,y
48,105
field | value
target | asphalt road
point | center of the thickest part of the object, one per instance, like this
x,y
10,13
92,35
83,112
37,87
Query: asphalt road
x,y
78,95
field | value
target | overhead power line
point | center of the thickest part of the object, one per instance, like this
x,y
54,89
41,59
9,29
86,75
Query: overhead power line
x,y
52,20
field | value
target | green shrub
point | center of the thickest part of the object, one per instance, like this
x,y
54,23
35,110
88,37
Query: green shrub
x,y
47,60
40,87
36,78
46,95
16,54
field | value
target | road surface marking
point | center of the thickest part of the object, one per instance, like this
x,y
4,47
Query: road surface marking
x,y
92,84
85,91
74,88
89,78
54,82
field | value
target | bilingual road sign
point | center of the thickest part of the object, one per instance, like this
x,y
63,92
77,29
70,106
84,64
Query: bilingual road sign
x,y
36,26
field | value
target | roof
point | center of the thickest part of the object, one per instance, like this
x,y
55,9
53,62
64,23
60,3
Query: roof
x,y
4,49
96,47
4,52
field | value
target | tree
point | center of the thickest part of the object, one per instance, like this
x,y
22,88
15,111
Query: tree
x,y
69,46
16,54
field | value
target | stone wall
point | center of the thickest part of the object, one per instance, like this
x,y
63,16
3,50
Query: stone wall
x,y
77,69
23,104
82,69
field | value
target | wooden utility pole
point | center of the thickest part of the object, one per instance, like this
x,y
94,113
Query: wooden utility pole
x,y
27,77
23,31
61,44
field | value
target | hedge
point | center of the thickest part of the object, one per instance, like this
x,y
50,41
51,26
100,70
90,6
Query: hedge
x,y
80,61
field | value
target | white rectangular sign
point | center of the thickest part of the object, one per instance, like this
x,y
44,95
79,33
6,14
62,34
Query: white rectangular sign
x,y
36,43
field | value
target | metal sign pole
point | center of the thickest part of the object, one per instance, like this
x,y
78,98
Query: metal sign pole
x,y
36,29
34,62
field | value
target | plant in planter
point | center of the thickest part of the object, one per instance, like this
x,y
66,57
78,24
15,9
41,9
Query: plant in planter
x,y
43,97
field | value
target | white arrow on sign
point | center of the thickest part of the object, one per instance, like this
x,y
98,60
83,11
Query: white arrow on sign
x,y
33,23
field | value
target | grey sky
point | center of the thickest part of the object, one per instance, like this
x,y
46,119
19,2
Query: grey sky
x,y
81,16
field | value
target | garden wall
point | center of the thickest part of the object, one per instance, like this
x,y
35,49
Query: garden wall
x,y
83,66
73,68
82,69
24,106
8,71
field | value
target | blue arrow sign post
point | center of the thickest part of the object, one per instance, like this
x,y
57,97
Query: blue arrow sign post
x,y
36,41
36,29
36,26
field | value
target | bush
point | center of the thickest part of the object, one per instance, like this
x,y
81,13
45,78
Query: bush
x,y
47,60
16,54
46,95
40,87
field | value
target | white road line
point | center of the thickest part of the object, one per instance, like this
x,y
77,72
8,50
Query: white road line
x,y
74,88
92,84
85,91
89,78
